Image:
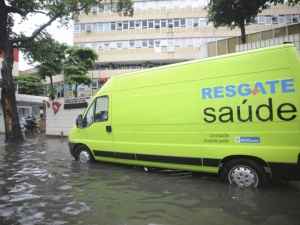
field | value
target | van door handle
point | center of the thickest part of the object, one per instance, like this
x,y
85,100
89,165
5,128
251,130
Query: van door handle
x,y
108,129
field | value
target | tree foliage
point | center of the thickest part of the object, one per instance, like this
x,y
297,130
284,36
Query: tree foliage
x,y
55,10
51,63
234,13
239,13
77,64
30,84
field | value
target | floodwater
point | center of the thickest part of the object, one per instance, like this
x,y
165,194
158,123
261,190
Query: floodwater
x,y
41,184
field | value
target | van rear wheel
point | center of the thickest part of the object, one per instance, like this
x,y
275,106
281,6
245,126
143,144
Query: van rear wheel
x,y
84,155
244,173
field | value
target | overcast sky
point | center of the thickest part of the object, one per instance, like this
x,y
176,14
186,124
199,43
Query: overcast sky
x,y
61,34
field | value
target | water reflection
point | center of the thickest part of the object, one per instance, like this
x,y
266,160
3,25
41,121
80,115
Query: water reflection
x,y
41,184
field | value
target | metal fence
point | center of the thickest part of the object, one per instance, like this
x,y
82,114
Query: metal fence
x,y
276,36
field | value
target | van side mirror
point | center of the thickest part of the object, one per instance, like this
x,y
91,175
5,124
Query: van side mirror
x,y
80,121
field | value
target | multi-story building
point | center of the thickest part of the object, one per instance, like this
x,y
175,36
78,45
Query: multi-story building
x,y
160,32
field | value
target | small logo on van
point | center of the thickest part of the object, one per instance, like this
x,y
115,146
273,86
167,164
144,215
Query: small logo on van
x,y
250,140
269,87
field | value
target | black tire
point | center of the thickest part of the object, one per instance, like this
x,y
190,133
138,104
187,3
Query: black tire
x,y
244,173
84,155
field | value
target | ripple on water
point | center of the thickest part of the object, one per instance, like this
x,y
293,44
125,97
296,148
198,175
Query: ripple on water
x,y
65,187
22,188
23,197
75,208
36,218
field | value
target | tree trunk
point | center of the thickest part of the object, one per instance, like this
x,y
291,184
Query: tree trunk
x,y
8,99
75,90
243,32
52,88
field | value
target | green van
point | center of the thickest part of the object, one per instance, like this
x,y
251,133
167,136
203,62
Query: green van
x,y
235,115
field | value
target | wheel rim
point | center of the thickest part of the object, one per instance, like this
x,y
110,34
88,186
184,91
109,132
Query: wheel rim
x,y
243,176
84,157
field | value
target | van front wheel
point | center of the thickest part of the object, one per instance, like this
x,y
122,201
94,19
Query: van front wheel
x,y
244,173
84,155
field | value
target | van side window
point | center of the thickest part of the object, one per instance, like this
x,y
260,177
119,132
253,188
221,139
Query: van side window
x,y
89,117
101,111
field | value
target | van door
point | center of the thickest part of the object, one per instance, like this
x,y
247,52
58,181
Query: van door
x,y
98,130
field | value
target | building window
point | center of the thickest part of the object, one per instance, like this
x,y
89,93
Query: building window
x,y
281,19
189,22
137,24
131,44
119,44
131,24
113,26
94,10
101,7
145,43
151,24
157,24
157,43
163,23
170,23
151,43
138,43
274,20
203,22
196,22
145,24
125,25
88,27
268,20
119,26
82,27
106,27
176,23
296,19
77,28
182,22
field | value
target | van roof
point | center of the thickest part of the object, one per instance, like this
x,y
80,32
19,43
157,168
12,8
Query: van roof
x,y
142,73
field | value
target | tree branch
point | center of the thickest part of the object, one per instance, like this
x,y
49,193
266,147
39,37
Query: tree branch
x,y
11,9
37,31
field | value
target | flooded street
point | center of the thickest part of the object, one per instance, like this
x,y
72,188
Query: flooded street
x,y
40,183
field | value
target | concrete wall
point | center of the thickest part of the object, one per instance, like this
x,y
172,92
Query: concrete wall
x,y
62,121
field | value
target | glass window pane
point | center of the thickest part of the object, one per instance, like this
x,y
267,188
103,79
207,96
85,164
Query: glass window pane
x,y
89,116
170,23
145,24
163,23
101,7
82,27
145,44
113,26
151,43
137,24
131,44
101,111
157,24
125,25
176,22
182,22
196,22
119,26
131,24
151,24
77,28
